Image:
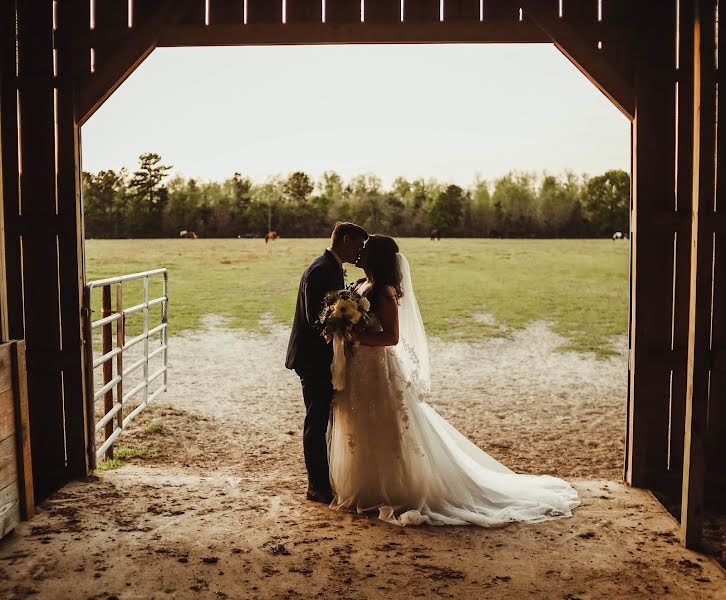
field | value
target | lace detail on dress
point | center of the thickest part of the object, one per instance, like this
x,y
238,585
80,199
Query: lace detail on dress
x,y
390,451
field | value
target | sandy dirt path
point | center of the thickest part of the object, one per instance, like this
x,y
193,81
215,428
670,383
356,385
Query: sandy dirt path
x,y
222,513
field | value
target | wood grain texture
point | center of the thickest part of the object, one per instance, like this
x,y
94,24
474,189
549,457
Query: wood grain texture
x,y
22,432
8,462
7,414
6,368
704,146
9,508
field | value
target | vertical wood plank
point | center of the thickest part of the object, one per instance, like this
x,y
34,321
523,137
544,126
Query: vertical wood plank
x,y
578,10
10,175
461,10
716,433
264,11
145,10
71,19
342,11
7,16
501,9
582,14
421,11
193,14
39,244
383,11
704,147
652,248
9,508
111,19
111,14
22,431
304,11
684,190
223,12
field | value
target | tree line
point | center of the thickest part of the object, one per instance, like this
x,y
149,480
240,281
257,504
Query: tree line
x,y
151,202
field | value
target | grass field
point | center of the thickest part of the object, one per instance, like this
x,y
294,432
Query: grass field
x,y
466,288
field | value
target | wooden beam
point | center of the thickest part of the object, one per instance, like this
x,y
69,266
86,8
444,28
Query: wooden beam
x,y
454,32
682,239
425,11
22,431
383,11
301,11
14,327
653,185
467,10
127,56
589,61
39,246
264,11
7,94
716,434
342,11
70,17
97,87
226,11
704,147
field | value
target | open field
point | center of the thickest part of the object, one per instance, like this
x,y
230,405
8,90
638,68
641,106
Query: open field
x,y
467,288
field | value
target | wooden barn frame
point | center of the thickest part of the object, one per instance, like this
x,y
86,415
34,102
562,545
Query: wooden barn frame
x,y
657,61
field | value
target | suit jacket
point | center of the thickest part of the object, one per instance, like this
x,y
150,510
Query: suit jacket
x,y
307,352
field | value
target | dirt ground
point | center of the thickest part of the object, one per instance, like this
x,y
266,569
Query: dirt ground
x,y
215,506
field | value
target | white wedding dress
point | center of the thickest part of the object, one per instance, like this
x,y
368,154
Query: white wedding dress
x,y
390,451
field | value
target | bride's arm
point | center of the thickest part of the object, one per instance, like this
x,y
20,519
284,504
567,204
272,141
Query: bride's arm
x,y
388,316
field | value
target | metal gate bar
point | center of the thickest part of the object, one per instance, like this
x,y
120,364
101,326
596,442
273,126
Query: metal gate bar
x,y
112,420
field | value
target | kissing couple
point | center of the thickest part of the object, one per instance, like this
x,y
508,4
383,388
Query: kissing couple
x,y
376,444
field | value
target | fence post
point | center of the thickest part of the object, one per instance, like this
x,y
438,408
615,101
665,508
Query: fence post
x,y
107,337
165,332
120,342
146,339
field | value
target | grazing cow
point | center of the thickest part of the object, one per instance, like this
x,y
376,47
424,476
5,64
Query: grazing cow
x,y
618,235
190,235
271,236
435,235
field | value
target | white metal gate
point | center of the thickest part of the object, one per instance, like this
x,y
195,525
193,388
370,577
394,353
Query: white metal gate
x,y
120,388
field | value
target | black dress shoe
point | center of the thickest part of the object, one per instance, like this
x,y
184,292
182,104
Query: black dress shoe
x,y
322,496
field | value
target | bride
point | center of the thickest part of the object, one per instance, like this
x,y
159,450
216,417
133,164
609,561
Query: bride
x,y
390,451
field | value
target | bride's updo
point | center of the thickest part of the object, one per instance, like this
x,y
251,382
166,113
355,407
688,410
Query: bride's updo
x,y
382,262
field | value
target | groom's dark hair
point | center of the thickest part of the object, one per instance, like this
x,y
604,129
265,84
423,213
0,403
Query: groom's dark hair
x,y
350,229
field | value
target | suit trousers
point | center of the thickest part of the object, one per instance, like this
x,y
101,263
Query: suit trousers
x,y
317,391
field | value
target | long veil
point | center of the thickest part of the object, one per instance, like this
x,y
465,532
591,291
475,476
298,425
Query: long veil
x,y
412,348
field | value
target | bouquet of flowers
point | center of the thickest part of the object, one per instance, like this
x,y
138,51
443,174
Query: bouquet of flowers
x,y
344,312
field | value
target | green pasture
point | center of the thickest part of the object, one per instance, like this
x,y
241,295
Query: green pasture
x,y
467,288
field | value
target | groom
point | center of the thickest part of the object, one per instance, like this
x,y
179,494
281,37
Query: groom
x,y
310,356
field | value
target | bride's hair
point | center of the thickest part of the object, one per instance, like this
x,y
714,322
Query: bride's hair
x,y
382,262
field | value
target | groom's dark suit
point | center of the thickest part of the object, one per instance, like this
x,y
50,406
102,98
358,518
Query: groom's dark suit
x,y
310,356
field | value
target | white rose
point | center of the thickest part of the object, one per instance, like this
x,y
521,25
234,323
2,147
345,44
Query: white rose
x,y
365,304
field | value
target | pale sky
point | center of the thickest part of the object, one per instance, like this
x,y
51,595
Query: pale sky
x,y
444,111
